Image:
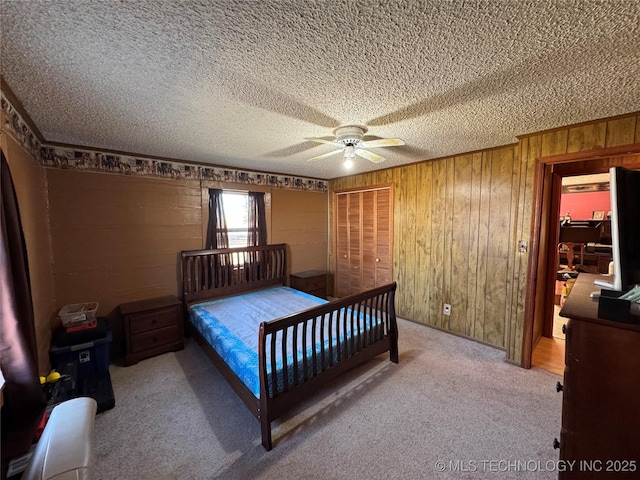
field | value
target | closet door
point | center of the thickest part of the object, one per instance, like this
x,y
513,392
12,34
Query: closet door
x,y
363,240
384,227
354,217
369,232
341,282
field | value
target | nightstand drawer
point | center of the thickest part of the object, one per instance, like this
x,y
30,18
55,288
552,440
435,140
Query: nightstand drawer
x,y
320,292
143,322
155,338
313,282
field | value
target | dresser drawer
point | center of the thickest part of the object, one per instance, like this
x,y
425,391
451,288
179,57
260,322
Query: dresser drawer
x,y
155,338
152,320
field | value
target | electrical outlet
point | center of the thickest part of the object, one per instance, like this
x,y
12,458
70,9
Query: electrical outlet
x,y
522,246
447,309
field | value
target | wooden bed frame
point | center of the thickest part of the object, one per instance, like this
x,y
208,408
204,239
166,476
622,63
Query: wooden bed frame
x,y
210,274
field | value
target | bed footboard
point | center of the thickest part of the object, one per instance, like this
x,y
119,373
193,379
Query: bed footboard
x,y
321,343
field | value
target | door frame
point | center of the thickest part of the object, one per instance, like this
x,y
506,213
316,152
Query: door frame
x,y
547,189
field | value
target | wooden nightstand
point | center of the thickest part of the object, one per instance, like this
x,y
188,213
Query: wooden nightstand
x,y
313,282
152,327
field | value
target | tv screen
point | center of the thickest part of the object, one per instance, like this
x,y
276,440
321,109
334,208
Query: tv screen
x,y
625,228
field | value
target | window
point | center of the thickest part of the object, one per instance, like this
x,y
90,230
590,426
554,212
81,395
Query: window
x,y
236,213
237,219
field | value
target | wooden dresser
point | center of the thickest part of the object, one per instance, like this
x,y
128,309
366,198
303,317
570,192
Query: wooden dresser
x,y
313,282
601,391
152,327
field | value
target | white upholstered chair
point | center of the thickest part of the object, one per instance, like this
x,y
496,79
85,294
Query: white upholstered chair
x,y
65,450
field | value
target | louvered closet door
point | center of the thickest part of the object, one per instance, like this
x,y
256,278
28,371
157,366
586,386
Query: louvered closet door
x,y
383,237
369,233
363,240
341,283
355,244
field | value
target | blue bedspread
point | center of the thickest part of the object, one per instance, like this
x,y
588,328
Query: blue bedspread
x,y
231,325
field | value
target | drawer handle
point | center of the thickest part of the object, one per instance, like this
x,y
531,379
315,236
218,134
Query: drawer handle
x,y
559,387
556,443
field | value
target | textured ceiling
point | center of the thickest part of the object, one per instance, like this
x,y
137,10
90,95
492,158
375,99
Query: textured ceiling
x,y
243,83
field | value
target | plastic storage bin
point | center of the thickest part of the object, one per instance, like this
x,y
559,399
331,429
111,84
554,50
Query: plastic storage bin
x,y
83,358
78,313
90,358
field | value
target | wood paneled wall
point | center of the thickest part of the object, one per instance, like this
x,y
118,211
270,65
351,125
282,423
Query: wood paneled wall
x,y
453,224
457,224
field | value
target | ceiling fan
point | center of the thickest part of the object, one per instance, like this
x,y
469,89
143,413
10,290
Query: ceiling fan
x,y
349,142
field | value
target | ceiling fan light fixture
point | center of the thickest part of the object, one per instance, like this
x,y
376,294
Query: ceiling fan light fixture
x,y
349,151
348,163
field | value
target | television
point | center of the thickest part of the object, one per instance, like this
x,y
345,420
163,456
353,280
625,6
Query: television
x,y
625,229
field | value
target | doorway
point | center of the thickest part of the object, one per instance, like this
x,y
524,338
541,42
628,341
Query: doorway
x,y
584,245
545,230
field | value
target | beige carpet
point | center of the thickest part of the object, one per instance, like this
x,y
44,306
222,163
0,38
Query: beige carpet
x,y
452,408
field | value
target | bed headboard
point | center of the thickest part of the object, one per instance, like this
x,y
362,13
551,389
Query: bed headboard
x,y
228,271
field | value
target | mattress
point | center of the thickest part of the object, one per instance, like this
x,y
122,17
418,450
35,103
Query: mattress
x,y
230,325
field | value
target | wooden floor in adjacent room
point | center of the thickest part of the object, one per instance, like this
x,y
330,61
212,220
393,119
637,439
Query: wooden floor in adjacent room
x,y
548,353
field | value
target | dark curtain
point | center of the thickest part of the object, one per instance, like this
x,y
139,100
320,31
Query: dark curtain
x,y
217,229
23,397
257,220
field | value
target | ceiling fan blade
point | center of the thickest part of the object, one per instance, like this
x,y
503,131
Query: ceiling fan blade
x,y
383,142
322,140
324,155
372,157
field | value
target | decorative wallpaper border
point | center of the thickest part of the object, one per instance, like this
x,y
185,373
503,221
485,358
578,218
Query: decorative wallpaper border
x,y
19,128
96,161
